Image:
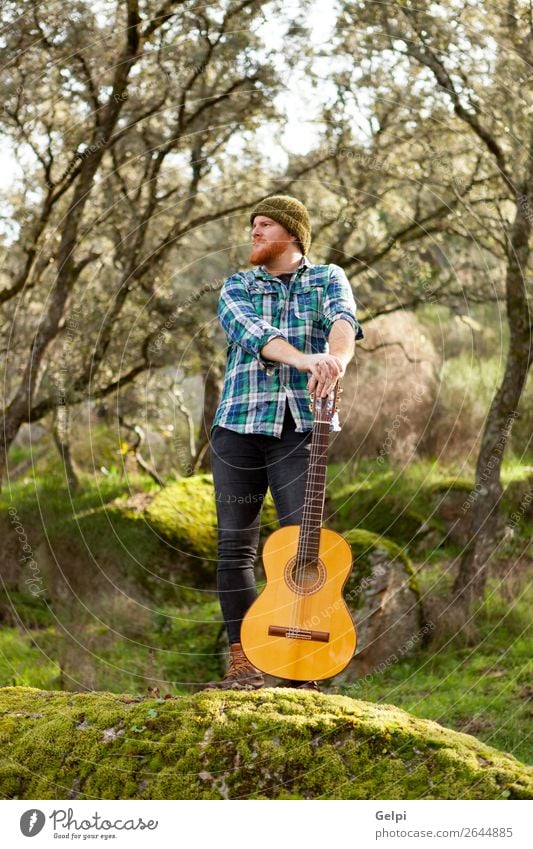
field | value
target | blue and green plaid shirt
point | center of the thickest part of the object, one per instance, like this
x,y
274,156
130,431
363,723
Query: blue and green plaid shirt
x,y
255,307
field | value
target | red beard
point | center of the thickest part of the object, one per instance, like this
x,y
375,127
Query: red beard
x,y
262,254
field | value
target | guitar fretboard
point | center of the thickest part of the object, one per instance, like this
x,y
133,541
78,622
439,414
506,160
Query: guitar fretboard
x,y
315,490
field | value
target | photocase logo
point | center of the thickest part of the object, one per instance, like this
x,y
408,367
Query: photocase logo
x,y
31,822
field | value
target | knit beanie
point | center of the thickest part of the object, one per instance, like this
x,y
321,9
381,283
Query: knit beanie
x,y
290,213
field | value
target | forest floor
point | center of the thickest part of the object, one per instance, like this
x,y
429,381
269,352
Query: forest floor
x,y
105,627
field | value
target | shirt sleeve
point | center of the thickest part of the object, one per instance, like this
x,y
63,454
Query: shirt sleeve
x,y
242,324
339,302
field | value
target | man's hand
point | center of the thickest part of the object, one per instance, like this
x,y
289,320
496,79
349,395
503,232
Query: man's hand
x,y
326,370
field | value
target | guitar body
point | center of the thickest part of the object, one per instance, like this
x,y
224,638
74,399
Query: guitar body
x,y
300,627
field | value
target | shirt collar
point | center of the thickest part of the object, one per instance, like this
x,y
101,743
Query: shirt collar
x,y
261,272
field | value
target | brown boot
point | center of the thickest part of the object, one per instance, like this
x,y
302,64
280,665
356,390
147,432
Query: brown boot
x,y
241,675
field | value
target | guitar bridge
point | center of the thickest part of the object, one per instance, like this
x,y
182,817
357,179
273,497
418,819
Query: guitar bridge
x,y
298,633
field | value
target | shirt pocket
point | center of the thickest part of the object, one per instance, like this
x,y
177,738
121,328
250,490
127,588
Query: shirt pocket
x,y
264,300
306,304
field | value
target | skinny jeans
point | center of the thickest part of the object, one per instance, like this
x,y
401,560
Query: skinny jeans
x,y
244,467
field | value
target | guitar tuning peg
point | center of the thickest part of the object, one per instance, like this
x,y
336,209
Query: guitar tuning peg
x,y
311,407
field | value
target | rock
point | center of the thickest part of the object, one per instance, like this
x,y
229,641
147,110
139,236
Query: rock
x,y
184,513
30,433
518,497
270,744
383,595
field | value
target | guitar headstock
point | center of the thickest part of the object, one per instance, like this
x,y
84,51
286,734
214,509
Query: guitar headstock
x,y
324,409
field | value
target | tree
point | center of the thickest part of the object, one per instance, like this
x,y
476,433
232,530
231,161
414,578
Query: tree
x,y
438,49
127,118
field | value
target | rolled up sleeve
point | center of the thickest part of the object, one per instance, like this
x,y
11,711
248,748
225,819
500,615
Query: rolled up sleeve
x,y
339,302
242,325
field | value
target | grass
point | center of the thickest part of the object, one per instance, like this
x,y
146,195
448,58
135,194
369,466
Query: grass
x,y
483,689
170,648
22,664
133,637
46,494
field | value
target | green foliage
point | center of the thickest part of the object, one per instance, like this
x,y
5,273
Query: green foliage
x,y
271,744
385,502
24,608
468,385
117,645
46,497
413,506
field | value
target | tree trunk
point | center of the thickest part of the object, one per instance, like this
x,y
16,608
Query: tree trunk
x,y
471,580
135,449
214,379
61,434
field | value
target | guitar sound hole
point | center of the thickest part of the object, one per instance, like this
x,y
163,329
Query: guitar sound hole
x,y
305,579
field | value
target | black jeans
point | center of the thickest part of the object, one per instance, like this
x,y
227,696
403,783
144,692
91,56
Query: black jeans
x,y
244,466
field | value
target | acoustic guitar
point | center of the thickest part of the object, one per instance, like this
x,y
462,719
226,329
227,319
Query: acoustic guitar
x,y
299,627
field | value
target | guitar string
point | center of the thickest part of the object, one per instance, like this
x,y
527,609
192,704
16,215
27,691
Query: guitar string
x,y
303,554
302,550
316,474
308,520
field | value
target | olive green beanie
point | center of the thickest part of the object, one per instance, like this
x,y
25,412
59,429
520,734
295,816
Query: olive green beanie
x,y
290,213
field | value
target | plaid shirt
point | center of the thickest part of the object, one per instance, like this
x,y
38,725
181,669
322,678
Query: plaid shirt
x,y
255,307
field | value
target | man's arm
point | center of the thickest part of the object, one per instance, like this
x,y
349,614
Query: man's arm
x,y
325,369
242,324
341,343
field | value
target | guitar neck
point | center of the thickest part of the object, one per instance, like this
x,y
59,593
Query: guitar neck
x,y
315,490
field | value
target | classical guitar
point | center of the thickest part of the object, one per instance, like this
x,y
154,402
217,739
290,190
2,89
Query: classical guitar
x,y
299,627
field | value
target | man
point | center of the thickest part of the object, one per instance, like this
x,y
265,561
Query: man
x,y
291,328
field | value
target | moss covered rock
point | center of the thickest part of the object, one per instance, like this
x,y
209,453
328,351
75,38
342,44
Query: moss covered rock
x,y
369,549
185,514
384,599
382,508
271,744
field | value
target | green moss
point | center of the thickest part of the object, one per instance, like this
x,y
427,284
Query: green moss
x,y
270,744
184,513
363,542
383,508
451,484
